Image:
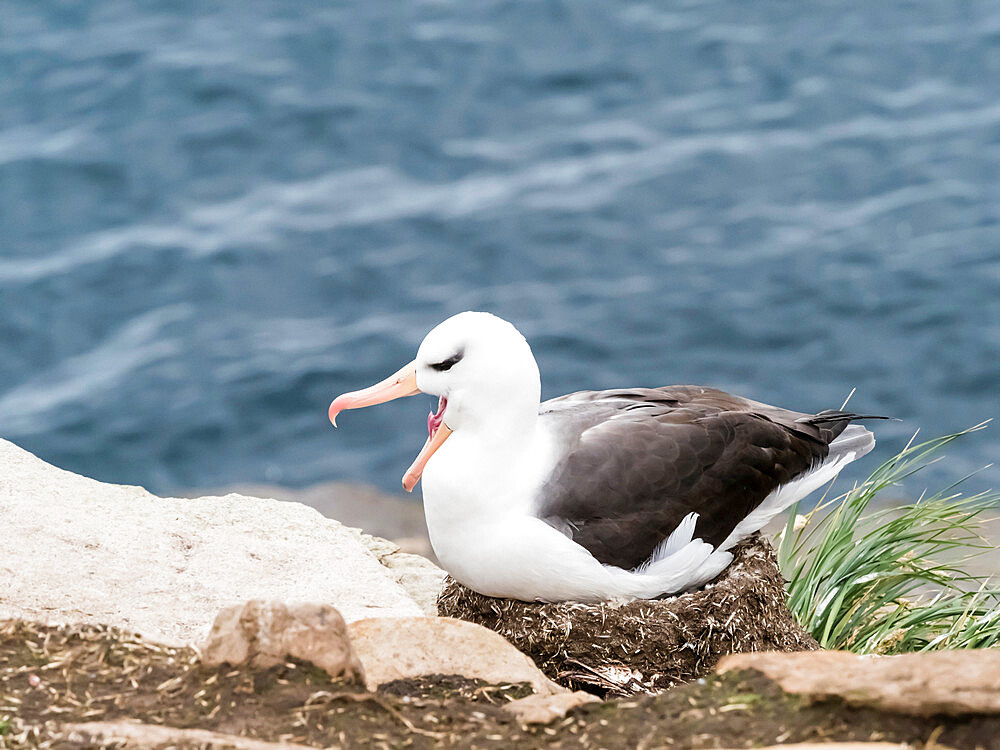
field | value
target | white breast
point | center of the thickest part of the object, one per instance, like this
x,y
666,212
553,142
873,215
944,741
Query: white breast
x,y
473,487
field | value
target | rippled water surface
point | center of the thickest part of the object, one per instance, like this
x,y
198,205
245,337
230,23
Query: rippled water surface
x,y
214,216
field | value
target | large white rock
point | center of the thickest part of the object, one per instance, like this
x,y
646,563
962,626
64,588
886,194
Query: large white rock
x,y
75,549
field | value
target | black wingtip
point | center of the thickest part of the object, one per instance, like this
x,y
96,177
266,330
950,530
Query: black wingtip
x,y
831,415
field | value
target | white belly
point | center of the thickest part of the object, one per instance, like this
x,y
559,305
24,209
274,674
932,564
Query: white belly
x,y
480,511
477,504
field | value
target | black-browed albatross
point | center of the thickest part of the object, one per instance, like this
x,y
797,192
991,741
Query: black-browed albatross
x,y
629,493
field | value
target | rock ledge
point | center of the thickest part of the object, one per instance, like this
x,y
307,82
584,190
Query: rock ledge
x,y
86,551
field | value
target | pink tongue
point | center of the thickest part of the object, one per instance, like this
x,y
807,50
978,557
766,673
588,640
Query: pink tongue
x,y
434,420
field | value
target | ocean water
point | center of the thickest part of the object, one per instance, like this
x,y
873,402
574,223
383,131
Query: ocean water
x,y
215,216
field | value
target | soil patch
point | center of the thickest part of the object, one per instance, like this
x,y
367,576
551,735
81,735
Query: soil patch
x,y
51,677
645,646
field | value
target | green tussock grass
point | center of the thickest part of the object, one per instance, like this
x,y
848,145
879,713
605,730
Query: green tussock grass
x,y
893,579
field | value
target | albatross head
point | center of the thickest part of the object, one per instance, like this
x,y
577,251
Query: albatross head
x,y
482,371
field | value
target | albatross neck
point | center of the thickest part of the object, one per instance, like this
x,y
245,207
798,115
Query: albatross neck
x,y
502,423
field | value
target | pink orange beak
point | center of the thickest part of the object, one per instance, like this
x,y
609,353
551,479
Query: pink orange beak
x,y
437,433
399,384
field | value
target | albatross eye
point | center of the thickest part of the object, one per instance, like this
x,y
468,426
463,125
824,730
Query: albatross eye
x,y
448,363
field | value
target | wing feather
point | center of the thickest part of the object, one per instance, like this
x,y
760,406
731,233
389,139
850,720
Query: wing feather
x,y
638,461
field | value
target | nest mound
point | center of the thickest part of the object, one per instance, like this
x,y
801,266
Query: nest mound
x,y
645,646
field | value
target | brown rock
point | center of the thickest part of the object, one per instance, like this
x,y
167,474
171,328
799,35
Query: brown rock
x,y
955,683
403,647
645,646
266,633
542,709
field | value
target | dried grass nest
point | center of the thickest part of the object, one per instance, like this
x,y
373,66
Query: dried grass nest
x,y
645,646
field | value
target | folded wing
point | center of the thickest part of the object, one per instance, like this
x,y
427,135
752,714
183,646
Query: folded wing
x,y
634,463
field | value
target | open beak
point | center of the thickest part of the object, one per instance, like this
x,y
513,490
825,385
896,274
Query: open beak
x,y
399,384
437,433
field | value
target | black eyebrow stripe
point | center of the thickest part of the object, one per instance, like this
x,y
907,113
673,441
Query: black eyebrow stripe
x,y
447,364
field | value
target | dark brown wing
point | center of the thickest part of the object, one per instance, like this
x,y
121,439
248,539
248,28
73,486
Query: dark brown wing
x,y
637,461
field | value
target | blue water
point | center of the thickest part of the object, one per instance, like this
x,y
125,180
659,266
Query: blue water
x,y
215,216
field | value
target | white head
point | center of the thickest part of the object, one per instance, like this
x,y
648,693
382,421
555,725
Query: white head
x,y
481,369
482,366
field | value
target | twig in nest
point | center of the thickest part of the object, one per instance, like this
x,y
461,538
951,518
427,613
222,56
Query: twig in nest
x,y
632,687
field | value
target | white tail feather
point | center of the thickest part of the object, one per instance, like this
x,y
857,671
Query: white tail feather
x,y
854,439
671,574
678,539
717,562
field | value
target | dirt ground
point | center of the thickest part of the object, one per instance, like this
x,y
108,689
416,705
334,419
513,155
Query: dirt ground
x,y
52,677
